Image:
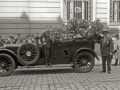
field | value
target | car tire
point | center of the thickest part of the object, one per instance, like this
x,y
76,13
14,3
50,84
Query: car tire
x,y
83,62
7,65
28,53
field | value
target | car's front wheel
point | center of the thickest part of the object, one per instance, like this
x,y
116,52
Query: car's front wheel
x,y
28,53
7,65
83,62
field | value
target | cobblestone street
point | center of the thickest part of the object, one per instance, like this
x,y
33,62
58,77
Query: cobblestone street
x,y
61,78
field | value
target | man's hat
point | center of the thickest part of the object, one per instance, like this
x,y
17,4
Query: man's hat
x,y
48,26
29,35
11,37
105,31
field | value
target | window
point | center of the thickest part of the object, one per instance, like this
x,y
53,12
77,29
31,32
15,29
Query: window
x,y
114,11
79,9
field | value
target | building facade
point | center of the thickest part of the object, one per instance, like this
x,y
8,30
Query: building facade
x,y
32,16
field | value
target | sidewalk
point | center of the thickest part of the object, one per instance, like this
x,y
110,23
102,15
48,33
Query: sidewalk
x,y
61,78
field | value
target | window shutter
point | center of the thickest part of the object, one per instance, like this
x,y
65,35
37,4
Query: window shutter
x,y
79,9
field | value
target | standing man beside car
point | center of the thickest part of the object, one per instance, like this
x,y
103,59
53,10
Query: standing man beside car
x,y
48,42
106,47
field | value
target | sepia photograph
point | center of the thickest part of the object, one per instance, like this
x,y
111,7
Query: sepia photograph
x,y
59,44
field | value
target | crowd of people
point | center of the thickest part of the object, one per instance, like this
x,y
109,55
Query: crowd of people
x,y
20,39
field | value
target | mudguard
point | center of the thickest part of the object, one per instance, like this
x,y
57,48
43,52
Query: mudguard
x,y
86,49
6,51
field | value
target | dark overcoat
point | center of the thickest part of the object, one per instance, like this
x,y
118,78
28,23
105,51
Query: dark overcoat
x,y
48,40
106,46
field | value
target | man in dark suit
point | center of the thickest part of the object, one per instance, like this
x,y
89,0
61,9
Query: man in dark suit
x,y
18,39
2,42
106,47
48,42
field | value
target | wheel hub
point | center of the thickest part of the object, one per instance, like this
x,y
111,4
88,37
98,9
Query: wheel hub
x,y
2,65
84,62
28,53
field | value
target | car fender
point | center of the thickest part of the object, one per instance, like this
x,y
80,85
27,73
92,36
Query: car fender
x,y
85,49
6,51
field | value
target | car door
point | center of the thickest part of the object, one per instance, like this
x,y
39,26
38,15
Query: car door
x,y
62,51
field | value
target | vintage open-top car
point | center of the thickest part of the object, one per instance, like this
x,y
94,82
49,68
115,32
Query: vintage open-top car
x,y
79,52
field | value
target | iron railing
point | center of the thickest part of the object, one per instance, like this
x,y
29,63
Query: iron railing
x,y
115,12
80,9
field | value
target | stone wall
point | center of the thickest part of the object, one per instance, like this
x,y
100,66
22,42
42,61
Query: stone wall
x,y
28,16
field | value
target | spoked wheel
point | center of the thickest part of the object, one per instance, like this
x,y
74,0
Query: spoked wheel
x,y
28,53
84,62
7,65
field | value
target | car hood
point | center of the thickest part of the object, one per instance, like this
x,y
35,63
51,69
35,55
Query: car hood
x,y
12,45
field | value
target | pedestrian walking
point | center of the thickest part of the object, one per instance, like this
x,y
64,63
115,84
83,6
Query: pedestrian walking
x,y
106,47
116,49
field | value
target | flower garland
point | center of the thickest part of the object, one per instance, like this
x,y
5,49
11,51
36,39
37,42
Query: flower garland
x,y
85,28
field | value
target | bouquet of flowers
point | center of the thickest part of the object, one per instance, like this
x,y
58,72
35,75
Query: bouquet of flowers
x,y
85,28
96,28
83,24
55,34
74,27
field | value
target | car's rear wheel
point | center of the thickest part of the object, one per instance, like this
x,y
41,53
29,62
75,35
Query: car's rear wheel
x,y
28,53
7,65
84,62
